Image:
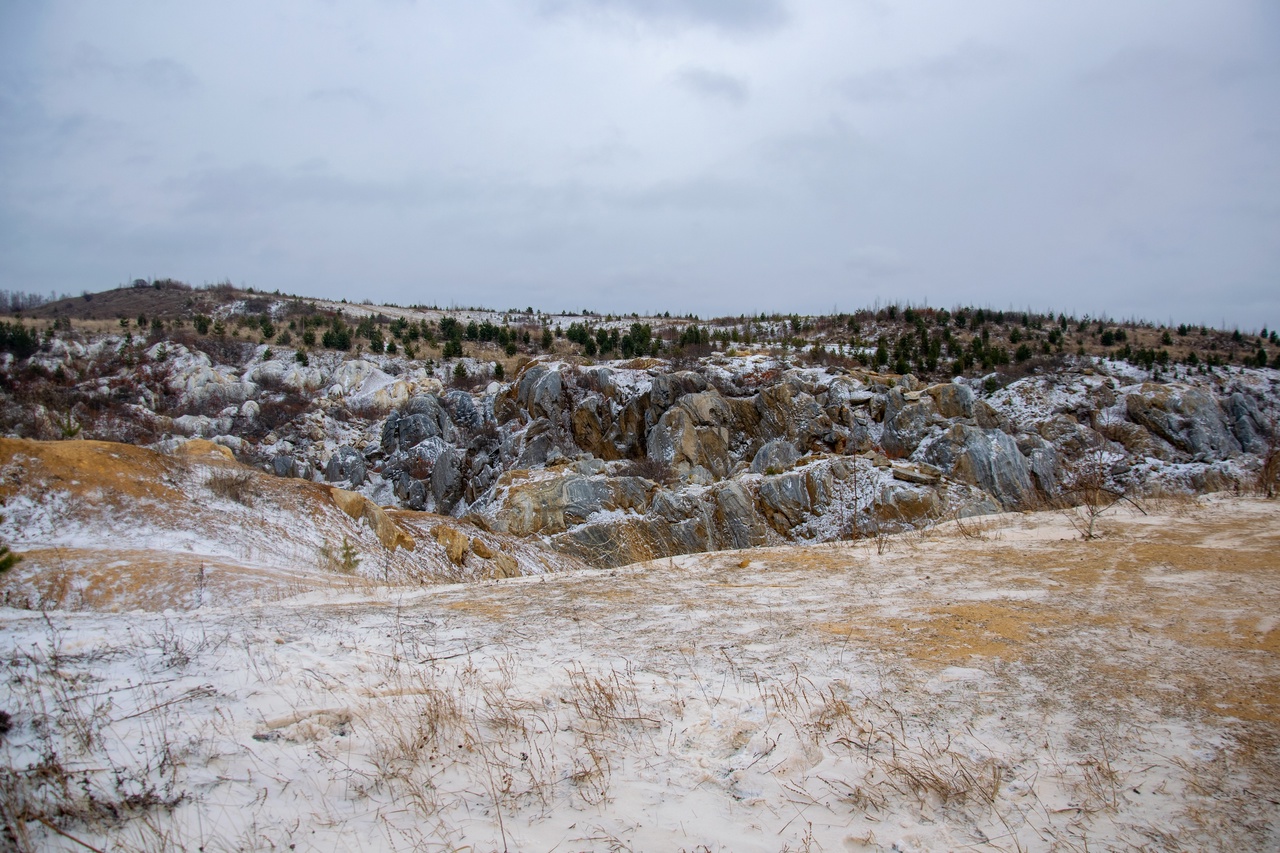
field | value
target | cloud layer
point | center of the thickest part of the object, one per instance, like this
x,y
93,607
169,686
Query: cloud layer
x,y
685,155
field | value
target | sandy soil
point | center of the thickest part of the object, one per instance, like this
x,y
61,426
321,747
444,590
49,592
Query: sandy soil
x,y
1001,686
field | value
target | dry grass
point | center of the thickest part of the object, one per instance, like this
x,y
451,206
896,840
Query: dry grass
x,y
810,690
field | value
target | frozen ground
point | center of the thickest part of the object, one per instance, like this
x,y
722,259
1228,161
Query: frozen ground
x,y
997,686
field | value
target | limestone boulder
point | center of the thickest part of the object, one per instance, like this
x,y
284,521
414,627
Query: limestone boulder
x,y
906,423
787,500
951,399
774,457
988,458
1250,426
540,392
1188,418
346,463
357,506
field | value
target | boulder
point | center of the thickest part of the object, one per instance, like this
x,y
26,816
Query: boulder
x,y
446,478
899,506
1139,442
774,457
283,465
773,413
540,391
1071,438
688,436
666,389
988,458
987,417
504,566
1188,418
811,425
589,424
1042,463
356,505
456,544
346,463
552,505
786,500
919,473
421,418
906,423
1248,423
952,400
461,408
736,521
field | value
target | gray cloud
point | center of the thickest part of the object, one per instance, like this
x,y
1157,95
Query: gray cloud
x,y
934,76
161,76
714,85
344,95
740,16
1116,158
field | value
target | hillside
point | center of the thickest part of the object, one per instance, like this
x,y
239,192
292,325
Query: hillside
x,y
677,439
311,575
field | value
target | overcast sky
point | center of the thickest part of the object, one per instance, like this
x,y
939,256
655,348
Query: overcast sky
x,y
706,156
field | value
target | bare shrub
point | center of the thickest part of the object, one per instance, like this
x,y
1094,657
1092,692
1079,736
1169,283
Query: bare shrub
x,y
233,485
1090,483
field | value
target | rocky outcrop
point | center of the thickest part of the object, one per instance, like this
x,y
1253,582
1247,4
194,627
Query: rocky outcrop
x,y
805,455
988,458
1250,426
553,504
1188,418
346,464
787,500
356,505
908,420
774,457
951,400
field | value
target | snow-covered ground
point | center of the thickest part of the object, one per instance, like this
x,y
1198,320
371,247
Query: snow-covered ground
x,y
998,685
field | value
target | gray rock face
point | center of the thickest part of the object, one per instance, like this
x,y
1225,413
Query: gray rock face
x,y
1072,438
462,410
774,458
446,478
736,519
788,499
1187,418
812,426
282,465
1042,462
346,463
551,506
422,417
694,433
668,388
1248,423
536,451
589,424
988,458
390,442
540,392
906,423
952,400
